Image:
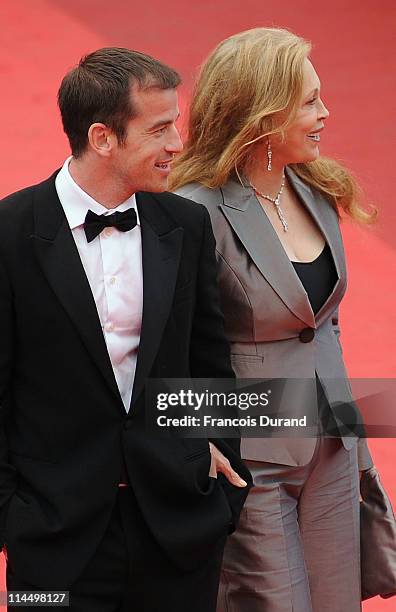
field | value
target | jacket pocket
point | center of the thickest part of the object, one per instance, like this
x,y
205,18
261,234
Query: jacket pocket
x,y
196,455
243,357
194,448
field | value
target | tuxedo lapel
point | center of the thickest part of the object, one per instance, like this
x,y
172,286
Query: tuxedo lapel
x,y
58,257
161,249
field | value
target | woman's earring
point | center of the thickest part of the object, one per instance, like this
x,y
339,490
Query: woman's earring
x,y
269,155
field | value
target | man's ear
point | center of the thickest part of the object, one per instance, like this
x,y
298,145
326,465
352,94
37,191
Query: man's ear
x,y
101,139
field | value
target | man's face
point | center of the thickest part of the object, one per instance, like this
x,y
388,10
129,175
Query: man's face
x,y
142,162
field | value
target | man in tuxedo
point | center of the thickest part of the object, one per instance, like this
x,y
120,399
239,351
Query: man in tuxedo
x,y
107,281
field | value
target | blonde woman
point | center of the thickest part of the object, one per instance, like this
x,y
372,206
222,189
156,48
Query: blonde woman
x,y
252,158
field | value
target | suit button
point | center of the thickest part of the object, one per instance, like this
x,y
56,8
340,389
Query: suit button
x,y
307,334
128,424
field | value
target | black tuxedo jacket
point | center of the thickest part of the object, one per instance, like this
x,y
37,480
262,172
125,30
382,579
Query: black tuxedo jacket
x,y
63,428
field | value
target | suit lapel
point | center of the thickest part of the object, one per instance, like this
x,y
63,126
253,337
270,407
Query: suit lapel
x,y
255,231
162,242
259,238
58,257
327,221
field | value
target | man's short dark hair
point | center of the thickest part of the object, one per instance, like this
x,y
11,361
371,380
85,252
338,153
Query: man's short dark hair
x,y
98,90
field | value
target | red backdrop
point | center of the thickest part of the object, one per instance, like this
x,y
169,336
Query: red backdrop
x,y
354,50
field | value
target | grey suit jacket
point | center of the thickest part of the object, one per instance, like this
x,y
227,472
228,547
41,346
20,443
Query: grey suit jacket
x,y
266,307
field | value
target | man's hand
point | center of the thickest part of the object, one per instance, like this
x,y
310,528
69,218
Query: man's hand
x,y
219,463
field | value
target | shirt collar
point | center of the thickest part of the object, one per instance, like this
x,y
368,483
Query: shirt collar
x,y
76,202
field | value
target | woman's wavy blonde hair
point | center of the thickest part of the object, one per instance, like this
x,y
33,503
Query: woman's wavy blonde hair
x,y
246,88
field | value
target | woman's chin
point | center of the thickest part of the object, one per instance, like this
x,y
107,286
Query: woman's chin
x,y
310,157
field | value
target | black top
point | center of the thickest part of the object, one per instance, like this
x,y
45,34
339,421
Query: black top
x,y
318,277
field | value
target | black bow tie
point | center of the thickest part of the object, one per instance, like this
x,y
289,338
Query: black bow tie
x,y
123,221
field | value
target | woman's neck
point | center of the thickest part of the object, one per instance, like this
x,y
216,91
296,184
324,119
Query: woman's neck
x,y
268,182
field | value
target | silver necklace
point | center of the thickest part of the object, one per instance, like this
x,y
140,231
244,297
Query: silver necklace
x,y
275,201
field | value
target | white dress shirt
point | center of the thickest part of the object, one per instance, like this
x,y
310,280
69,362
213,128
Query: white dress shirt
x,y
113,266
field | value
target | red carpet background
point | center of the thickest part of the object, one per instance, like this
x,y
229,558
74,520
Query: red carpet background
x,y
354,51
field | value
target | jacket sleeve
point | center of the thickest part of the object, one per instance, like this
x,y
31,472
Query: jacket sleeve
x,y
210,351
210,356
7,472
365,461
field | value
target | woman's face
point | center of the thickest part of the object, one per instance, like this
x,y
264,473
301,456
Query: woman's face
x,y
302,137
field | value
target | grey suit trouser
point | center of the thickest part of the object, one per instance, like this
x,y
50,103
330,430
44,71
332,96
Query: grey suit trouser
x,y
297,545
